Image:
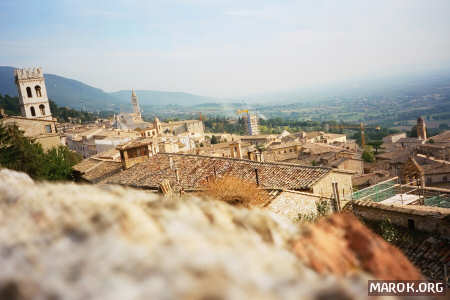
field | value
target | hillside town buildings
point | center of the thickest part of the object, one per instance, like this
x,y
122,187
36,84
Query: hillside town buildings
x,y
170,137
432,154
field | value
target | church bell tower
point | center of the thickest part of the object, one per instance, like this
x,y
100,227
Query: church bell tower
x,y
135,103
421,129
33,98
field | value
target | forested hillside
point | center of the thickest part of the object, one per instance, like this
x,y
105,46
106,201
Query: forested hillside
x,y
63,114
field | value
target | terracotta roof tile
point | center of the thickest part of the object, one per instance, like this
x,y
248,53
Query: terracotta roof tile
x,y
428,255
193,171
94,170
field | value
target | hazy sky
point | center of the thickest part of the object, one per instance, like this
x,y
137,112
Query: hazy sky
x,y
224,48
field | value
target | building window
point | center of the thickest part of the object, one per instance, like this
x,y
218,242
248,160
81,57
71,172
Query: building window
x,y
48,128
429,181
33,112
132,153
445,179
29,92
38,91
42,109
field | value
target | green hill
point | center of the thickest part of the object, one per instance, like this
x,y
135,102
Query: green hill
x,y
63,91
147,97
75,94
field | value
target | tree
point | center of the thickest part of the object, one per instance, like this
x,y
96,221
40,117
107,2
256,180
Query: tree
x,y
368,155
59,162
214,140
376,145
413,131
21,153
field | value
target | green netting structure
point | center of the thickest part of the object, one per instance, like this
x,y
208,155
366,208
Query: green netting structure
x,y
439,200
378,192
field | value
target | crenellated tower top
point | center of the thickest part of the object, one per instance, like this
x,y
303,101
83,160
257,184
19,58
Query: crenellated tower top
x,y
28,73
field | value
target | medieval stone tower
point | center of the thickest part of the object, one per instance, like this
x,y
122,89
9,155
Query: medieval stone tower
x,y
33,98
421,129
135,103
157,125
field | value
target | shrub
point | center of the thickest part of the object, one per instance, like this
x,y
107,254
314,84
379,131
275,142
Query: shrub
x,y
323,207
368,156
21,153
237,192
307,218
214,140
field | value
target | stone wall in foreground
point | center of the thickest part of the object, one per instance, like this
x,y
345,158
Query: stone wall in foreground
x,y
69,241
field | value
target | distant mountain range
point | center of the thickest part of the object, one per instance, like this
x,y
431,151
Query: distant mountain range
x,y
63,91
369,100
76,94
147,97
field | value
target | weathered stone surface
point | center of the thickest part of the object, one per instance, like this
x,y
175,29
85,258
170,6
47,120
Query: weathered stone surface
x,y
68,241
342,245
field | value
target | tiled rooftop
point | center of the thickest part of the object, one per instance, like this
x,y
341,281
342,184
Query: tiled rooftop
x,y
259,136
96,170
400,156
193,171
316,148
436,168
429,256
442,137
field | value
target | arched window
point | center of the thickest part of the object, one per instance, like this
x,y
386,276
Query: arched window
x,y
42,109
33,112
29,92
38,91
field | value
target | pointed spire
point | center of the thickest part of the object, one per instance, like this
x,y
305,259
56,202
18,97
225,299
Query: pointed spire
x,y
133,94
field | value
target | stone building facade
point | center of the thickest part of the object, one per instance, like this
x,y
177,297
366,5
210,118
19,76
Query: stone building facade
x,y
41,130
96,140
179,127
422,218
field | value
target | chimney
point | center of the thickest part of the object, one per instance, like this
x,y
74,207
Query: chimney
x,y
235,150
171,162
238,150
259,156
133,153
177,174
231,150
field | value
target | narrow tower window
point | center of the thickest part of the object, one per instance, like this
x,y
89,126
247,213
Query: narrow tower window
x,y
38,91
42,109
29,92
33,112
